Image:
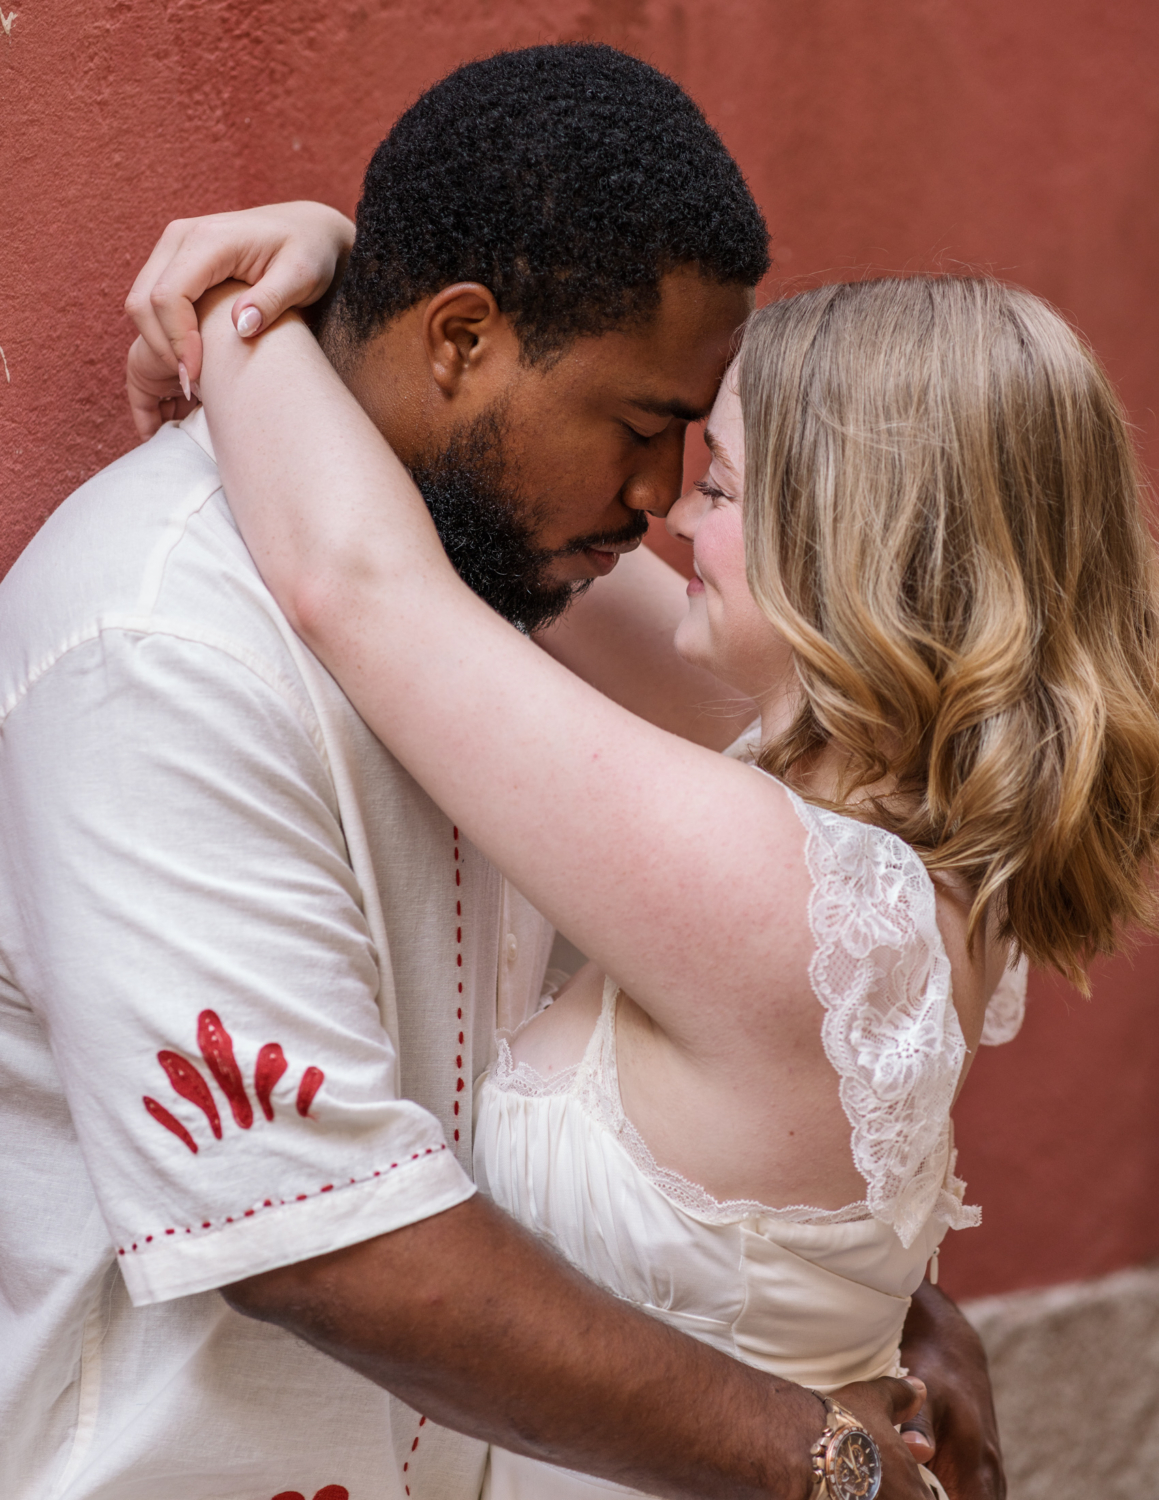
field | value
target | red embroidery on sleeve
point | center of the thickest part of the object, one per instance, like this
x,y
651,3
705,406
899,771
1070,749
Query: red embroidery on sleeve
x,y
327,1492
163,1117
312,1080
188,1082
217,1048
270,1066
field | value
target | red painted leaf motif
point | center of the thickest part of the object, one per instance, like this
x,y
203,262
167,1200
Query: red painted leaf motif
x,y
188,1082
327,1492
163,1117
217,1048
270,1066
311,1082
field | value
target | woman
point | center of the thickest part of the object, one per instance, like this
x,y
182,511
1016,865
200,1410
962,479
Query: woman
x,y
919,549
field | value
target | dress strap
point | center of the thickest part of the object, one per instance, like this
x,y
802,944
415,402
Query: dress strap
x,y
598,1064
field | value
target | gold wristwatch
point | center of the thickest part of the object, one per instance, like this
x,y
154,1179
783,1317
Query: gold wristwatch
x,y
846,1463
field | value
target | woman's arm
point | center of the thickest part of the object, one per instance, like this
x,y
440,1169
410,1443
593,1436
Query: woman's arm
x,y
618,637
631,840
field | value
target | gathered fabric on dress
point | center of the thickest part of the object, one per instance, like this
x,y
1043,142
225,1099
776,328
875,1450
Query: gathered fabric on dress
x,y
812,1295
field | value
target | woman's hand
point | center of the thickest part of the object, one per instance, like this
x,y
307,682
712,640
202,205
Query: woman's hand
x,y
288,253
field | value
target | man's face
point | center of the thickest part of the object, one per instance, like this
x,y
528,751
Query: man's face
x,y
539,476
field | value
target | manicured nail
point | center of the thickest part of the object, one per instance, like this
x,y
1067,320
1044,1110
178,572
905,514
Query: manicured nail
x,y
249,321
183,377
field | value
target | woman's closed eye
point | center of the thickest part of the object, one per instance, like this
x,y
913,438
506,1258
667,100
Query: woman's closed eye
x,y
706,487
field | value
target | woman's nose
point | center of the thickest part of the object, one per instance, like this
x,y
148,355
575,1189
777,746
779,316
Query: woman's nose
x,y
685,513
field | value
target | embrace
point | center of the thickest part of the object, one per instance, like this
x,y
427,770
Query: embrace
x,y
431,1067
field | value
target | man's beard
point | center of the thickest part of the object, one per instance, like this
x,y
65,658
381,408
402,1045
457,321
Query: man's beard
x,y
488,526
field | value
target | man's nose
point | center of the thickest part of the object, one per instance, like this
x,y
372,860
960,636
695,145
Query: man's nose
x,y
656,482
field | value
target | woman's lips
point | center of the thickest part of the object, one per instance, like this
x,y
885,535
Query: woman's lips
x,y
695,585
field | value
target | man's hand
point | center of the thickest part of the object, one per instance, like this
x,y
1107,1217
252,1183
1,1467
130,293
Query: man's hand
x,y
289,255
881,1406
957,1425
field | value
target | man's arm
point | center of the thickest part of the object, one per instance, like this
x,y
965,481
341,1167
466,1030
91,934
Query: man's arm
x,y
943,1350
475,1323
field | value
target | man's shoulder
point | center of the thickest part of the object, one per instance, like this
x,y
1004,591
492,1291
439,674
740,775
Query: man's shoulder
x,y
148,545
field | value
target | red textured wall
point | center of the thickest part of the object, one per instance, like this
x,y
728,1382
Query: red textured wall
x,y
1022,137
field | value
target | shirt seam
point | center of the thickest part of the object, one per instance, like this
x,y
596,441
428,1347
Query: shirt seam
x,y
148,625
153,574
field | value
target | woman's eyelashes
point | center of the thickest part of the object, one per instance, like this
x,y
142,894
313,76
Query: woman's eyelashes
x,y
706,487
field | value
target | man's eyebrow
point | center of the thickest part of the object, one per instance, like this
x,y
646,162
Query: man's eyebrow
x,y
676,409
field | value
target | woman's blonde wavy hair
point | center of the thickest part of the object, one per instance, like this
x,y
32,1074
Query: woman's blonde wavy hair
x,y
943,517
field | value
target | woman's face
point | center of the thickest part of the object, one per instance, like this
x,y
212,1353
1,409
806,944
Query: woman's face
x,y
725,629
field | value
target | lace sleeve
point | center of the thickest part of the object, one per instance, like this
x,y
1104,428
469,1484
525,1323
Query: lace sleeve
x,y
890,1029
1007,1008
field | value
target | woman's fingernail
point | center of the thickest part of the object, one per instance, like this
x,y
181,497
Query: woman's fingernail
x,y
183,377
249,321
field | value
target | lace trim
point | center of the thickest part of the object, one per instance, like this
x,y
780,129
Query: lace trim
x,y
1007,1008
890,1029
522,1079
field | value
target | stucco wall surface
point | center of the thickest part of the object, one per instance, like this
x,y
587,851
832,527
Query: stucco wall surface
x,y
1020,138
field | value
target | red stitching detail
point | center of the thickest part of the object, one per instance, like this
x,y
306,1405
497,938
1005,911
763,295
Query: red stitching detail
x,y
460,1083
299,1198
413,1446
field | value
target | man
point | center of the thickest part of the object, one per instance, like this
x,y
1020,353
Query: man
x,y
249,971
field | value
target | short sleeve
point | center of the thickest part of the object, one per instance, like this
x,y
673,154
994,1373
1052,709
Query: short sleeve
x,y
184,922
890,1029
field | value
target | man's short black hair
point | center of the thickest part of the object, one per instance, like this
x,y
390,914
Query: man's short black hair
x,y
567,179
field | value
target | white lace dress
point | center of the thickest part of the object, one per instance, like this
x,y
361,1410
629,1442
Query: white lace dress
x,y
814,1296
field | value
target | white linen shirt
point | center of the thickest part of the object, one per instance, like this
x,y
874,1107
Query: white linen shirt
x,y
248,974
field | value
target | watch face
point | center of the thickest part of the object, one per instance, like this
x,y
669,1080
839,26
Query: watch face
x,y
853,1468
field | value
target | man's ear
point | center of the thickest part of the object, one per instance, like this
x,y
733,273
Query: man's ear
x,y
463,331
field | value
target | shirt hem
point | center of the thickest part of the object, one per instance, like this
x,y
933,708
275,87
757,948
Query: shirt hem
x,y
296,1231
